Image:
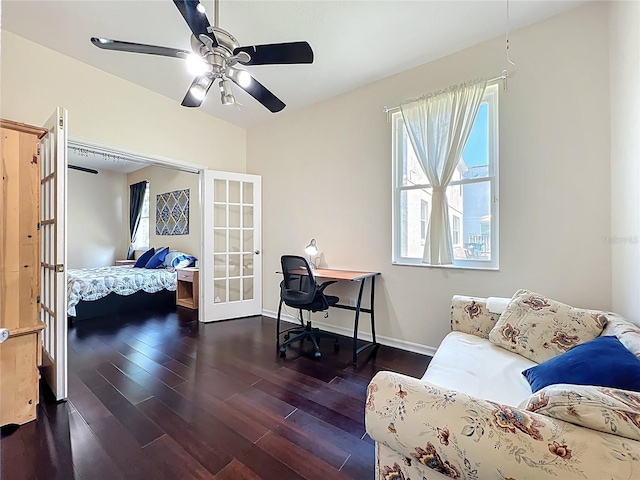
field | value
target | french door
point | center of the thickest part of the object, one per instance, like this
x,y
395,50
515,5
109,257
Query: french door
x,y
53,253
231,273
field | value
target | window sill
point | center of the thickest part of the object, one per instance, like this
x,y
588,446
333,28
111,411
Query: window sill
x,y
447,267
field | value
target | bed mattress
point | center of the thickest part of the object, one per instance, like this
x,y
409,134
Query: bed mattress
x,y
88,284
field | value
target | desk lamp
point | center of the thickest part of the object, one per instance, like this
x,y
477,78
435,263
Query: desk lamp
x,y
311,250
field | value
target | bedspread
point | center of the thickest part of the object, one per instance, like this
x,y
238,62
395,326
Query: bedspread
x,y
89,284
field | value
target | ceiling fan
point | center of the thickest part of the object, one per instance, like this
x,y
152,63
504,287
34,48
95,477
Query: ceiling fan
x,y
216,55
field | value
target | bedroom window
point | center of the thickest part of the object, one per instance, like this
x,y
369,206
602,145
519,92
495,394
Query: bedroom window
x,y
472,195
142,236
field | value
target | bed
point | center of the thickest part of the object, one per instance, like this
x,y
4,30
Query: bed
x,y
102,291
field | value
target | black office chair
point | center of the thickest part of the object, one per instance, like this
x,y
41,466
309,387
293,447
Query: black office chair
x,y
300,290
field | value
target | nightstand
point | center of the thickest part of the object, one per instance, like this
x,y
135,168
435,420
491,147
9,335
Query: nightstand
x,y
125,262
187,294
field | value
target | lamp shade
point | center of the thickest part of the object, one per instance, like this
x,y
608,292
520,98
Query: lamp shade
x,y
312,248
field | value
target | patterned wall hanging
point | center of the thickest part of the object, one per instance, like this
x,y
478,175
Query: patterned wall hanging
x,y
172,213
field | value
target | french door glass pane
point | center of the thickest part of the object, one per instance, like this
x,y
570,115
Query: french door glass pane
x,y
234,265
234,191
234,289
247,286
219,215
220,291
234,216
219,266
247,264
219,241
247,193
219,190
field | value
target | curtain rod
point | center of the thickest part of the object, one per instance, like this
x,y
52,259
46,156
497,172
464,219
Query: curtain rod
x,y
503,77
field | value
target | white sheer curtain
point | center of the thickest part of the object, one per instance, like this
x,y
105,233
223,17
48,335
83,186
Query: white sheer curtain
x,y
439,125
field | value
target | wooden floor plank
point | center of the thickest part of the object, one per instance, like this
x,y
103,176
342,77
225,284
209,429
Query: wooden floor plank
x,y
161,396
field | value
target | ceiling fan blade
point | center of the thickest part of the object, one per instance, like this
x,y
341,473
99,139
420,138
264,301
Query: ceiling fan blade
x,y
278,53
197,21
262,94
108,44
190,100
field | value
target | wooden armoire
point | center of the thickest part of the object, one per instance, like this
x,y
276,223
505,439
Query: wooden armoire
x,y
21,353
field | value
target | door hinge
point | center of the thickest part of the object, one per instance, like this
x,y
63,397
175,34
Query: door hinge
x,y
61,123
38,299
38,226
38,149
59,268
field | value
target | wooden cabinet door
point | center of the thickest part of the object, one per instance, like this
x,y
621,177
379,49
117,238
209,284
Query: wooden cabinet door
x,y
20,207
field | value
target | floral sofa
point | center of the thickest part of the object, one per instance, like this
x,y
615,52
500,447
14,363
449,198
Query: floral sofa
x,y
473,414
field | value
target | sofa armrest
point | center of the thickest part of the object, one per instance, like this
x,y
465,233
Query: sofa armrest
x,y
465,437
470,315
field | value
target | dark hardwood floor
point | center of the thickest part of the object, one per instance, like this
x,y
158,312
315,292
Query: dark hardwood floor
x,y
163,396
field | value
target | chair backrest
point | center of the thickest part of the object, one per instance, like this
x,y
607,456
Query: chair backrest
x,y
299,286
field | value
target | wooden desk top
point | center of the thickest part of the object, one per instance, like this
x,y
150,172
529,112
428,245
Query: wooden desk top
x,y
331,274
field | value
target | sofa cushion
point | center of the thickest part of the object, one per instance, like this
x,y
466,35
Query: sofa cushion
x,y
627,332
473,365
608,410
603,362
539,328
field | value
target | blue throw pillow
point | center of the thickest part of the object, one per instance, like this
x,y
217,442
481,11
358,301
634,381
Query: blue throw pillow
x,y
157,259
602,362
144,258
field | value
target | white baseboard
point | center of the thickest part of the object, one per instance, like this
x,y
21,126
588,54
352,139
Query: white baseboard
x,y
347,332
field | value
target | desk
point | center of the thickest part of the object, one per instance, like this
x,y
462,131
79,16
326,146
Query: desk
x,y
353,276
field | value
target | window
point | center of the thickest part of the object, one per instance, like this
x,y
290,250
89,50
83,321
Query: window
x,y
455,230
472,194
424,219
142,234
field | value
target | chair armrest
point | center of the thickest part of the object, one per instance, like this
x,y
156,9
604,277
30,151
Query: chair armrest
x,y
470,315
465,437
324,285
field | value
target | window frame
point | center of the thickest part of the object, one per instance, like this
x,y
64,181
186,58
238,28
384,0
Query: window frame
x,y
491,98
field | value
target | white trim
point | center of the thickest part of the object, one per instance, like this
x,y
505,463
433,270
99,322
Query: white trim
x,y
134,156
347,332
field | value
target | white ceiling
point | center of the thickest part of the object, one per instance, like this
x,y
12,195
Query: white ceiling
x,y
354,42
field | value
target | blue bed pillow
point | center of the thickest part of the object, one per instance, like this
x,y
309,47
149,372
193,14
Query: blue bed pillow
x,y
157,259
602,362
144,258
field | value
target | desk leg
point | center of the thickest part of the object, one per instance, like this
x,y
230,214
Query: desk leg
x,y
355,329
372,308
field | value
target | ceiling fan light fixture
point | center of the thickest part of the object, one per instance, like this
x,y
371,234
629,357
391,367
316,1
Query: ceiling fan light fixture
x,y
226,94
244,78
196,65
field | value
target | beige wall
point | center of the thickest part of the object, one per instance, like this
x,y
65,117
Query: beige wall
x,y
327,174
98,219
163,180
624,24
108,110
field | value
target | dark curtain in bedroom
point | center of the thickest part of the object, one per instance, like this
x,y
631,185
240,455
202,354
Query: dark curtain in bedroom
x,y
136,199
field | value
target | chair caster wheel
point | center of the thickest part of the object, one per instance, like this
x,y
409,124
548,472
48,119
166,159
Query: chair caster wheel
x,y
286,336
317,354
283,353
